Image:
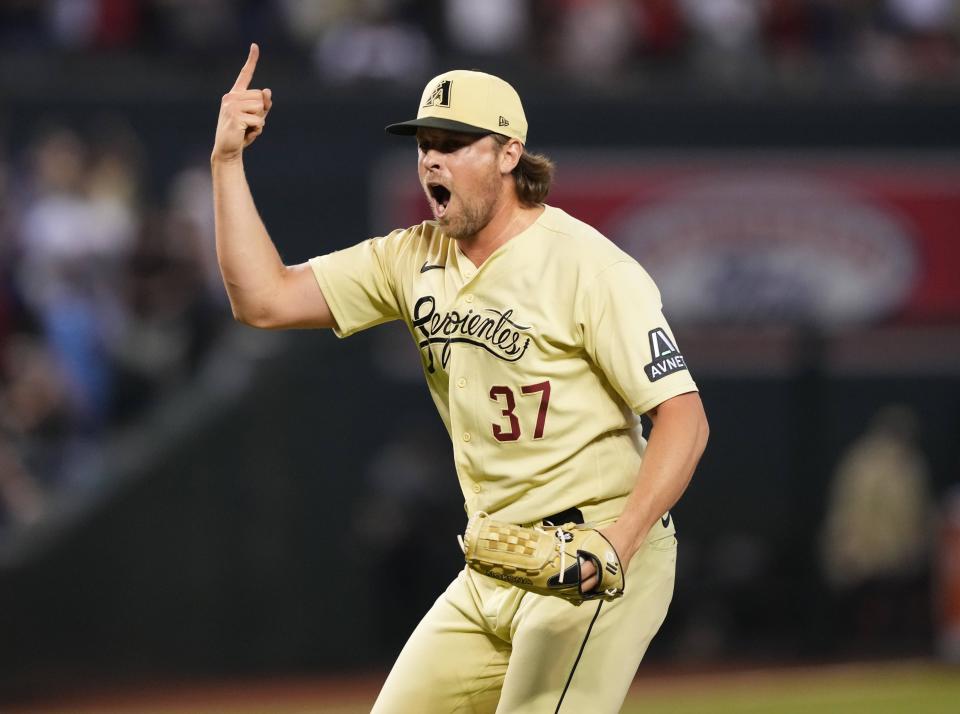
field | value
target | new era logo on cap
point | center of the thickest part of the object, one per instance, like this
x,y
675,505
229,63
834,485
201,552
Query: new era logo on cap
x,y
503,121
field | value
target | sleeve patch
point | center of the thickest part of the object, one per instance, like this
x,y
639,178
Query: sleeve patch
x,y
666,357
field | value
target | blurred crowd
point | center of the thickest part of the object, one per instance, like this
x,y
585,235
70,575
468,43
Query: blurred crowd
x,y
877,539
734,45
108,297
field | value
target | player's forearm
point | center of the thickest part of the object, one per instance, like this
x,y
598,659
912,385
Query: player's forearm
x,y
251,267
676,444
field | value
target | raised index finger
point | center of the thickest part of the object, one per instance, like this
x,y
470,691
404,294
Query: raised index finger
x,y
246,73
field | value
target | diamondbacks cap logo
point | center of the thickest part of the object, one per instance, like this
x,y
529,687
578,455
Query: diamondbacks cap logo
x,y
666,357
440,97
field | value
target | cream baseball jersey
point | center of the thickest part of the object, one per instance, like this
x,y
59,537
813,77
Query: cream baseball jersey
x,y
538,361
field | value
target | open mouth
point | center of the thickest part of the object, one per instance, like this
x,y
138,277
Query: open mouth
x,y
439,198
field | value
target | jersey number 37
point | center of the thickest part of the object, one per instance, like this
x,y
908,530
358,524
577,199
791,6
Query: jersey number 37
x,y
506,393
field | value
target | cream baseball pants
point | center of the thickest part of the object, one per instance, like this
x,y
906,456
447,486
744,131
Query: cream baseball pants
x,y
486,646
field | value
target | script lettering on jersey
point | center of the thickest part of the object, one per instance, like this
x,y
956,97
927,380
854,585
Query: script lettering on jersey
x,y
666,357
493,330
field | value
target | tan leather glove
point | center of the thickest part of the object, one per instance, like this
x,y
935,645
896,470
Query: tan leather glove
x,y
543,559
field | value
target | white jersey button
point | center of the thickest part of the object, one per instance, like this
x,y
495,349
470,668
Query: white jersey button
x,y
477,488
466,436
469,298
461,383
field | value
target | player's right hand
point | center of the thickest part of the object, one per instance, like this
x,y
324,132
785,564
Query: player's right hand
x,y
243,113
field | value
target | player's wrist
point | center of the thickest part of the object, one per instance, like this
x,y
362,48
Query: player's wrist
x,y
630,533
226,158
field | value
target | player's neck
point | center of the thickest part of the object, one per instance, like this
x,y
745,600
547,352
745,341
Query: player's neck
x,y
508,221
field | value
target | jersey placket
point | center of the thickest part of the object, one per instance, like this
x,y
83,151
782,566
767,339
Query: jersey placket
x,y
465,393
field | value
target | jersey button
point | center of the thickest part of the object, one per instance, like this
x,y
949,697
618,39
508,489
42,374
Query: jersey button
x,y
469,298
466,436
461,383
477,488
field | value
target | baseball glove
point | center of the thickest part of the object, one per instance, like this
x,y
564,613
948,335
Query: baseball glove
x,y
544,559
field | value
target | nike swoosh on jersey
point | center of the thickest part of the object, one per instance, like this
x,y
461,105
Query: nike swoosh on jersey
x,y
425,267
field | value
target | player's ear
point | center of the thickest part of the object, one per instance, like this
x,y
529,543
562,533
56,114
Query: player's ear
x,y
510,154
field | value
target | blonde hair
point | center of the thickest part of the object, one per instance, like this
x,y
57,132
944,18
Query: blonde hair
x,y
532,175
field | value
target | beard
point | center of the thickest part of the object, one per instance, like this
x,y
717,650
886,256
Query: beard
x,y
473,212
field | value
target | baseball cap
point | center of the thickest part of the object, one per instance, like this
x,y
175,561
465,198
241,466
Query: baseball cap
x,y
468,101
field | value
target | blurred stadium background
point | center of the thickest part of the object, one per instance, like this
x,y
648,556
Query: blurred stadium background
x,y
171,484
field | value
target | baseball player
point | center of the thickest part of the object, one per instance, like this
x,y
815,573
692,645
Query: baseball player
x,y
541,343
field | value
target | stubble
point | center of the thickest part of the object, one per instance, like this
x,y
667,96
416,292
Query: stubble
x,y
476,210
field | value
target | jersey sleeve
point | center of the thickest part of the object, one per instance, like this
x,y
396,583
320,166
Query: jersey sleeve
x,y
360,283
627,337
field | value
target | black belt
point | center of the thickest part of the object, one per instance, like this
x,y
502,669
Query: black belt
x,y
571,515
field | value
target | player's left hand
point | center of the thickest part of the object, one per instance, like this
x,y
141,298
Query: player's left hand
x,y
622,542
543,559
